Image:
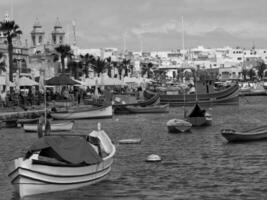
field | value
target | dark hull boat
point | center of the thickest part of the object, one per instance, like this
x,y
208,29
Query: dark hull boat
x,y
259,133
225,96
199,117
122,108
145,109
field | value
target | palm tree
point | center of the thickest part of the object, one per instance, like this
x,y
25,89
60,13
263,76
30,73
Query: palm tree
x,y
147,69
251,74
10,30
87,61
119,67
64,51
74,68
109,66
99,66
261,67
125,64
244,73
2,63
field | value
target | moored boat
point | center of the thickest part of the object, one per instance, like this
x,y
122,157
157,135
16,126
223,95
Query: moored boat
x,y
258,133
143,109
122,107
63,126
222,97
199,117
178,126
104,111
57,163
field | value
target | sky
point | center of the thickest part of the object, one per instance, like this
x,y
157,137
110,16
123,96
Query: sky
x,y
147,24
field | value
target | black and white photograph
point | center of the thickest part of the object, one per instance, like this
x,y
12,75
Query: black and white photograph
x,y
133,100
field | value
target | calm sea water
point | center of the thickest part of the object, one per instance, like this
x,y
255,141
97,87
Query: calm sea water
x,y
196,165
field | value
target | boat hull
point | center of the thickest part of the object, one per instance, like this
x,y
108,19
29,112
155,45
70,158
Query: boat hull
x,y
178,126
101,112
224,97
244,136
146,109
67,126
33,176
122,108
26,185
200,121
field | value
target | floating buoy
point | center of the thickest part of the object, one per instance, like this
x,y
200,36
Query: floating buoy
x,y
99,126
130,141
153,158
117,120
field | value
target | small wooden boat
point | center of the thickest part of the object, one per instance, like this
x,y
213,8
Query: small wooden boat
x,y
57,163
63,126
259,133
122,108
130,141
21,122
178,126
199,117
145,109
104,111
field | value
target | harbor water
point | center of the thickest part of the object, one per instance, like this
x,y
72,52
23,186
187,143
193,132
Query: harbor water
x,y
195,165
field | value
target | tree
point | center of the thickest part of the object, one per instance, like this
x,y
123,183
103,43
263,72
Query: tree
x,y
2,63
125,65
244,74
119,66
74,68
64,51
87,61
251,74
147,69
99,66
261,67
109,66
10,30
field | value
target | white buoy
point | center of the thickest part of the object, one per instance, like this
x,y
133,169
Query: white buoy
x,y
153,158
117,120
130,141
99,126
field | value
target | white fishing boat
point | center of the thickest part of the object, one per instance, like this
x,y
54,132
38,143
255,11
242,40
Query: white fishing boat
x,y
178,125
57,163
89,113
63,126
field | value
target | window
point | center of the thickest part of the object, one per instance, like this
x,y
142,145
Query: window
x,y
33,40
61,39
54,39
40,39
239,58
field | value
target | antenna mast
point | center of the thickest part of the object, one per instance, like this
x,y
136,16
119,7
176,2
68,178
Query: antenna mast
x,y
74,32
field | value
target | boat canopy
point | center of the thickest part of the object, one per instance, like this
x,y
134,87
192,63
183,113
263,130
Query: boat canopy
x,y
197,112
72,150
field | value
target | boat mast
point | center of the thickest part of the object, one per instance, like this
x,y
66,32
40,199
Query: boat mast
x,y
183,59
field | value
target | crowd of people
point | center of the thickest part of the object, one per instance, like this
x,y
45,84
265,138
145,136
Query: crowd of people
x,y
32,96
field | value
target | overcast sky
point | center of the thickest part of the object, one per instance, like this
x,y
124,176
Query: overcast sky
x,y
157,24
